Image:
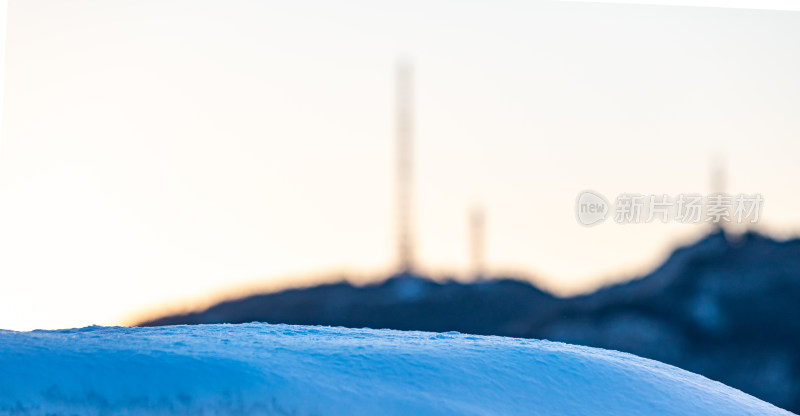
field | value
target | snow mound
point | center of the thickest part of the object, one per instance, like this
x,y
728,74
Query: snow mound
x,y
300,370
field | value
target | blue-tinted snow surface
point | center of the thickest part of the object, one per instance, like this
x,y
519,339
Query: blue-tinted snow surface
x,y
298,370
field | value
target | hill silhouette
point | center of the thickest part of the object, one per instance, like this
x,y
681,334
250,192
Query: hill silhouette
x,y
726,307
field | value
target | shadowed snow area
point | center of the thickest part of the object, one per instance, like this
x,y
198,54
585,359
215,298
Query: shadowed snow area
x,y
300,370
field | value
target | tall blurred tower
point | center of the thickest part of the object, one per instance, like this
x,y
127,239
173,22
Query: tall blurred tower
x,y
404,142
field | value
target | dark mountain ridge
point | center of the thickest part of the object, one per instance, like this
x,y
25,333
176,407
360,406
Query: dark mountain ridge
x,y
727,307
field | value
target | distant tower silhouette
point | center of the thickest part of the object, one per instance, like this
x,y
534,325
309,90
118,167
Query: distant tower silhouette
x,y
404,141
719,183
477,227
719,177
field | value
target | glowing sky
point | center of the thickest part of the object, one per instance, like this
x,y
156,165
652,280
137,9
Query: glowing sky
x,y
159,151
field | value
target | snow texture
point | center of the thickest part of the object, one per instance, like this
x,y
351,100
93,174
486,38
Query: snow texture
x,y
300,370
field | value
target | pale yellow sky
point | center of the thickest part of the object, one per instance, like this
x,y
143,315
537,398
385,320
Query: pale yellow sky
x,y
160,151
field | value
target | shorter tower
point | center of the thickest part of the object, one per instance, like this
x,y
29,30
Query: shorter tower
x,y
477,245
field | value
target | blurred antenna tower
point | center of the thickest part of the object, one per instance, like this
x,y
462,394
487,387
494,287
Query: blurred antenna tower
x,y
719,182
404,142
719,176
477,246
